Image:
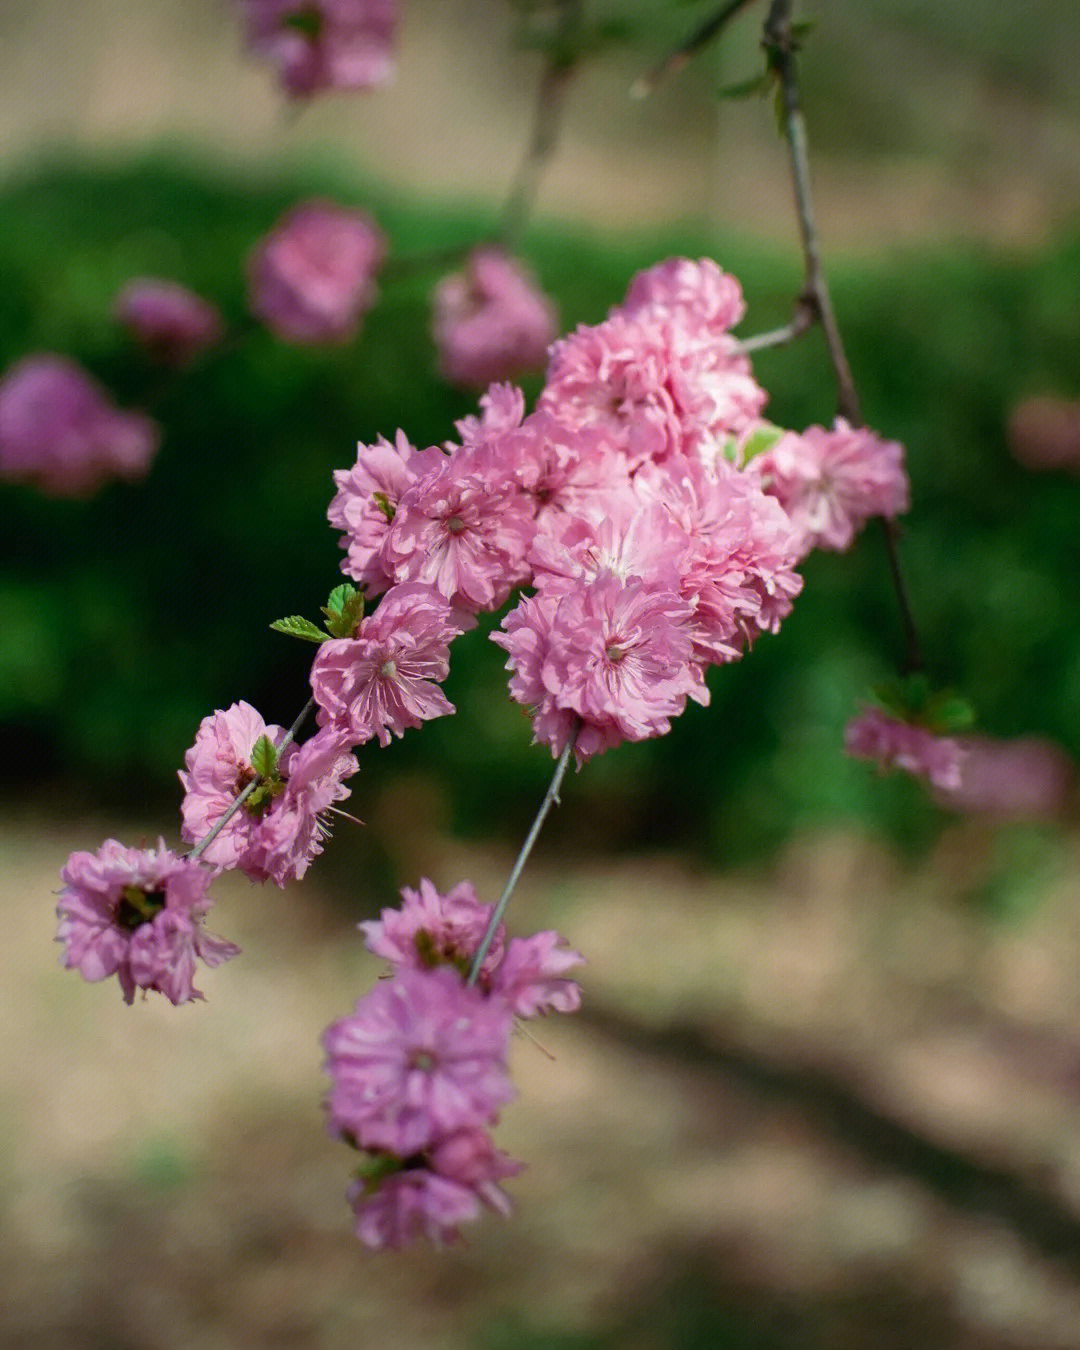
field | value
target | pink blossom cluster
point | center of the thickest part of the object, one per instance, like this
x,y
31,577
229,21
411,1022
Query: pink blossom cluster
x,y
138,914
491,321
419,1069
319,45
893,743
280,828
311,279
60,431
173,324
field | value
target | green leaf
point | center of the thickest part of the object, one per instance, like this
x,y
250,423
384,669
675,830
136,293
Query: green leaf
x,y
344,610
306,21
948,713
264,757
385,505
762,438
756,85
298,627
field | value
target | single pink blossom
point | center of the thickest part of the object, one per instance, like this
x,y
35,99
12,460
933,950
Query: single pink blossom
x,y
318,45
877,735
432,929
422,1056
531,975
699,294
60,432
1028,777
502,408
173,324
463,529
366,500
312,277
832,482
526,637
491,321
138,914
386,678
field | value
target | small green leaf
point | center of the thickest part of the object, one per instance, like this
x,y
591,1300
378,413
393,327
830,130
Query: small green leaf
x,y
948,713
385,505
756,85
762,438
298,627
264,757
344,610
801,30
308,21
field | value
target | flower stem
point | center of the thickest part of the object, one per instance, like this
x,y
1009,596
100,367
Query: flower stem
x,y
551,798
286,740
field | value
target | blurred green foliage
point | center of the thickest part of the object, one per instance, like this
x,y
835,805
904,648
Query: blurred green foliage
x,y
129,616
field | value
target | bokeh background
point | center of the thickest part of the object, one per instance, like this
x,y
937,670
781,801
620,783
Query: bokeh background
x,y
825,1088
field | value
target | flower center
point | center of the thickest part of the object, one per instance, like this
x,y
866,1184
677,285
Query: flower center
x,y
422,1060
388,669
137,907
614,654
455,525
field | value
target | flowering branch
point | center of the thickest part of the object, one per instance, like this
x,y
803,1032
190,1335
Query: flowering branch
x,y
688,49
284,743
551,798
780,47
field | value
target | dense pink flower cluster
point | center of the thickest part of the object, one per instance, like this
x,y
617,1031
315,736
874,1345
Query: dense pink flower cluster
x,y
419,1070
312,277
318,45
172,323
138,914
877,735
491,321
278,831
60,432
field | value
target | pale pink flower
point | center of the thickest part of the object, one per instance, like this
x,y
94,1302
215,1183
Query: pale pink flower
x,y
699,294
60,431
491,321
431,1199
386,678
422,1056
877,735
172,323
502,408
312,277
531,975
832,482
1029,777
526,637
463,530
324,44
366,499
138,914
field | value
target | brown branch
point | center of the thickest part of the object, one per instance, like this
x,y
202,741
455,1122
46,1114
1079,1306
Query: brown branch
x,y
688,49
780,48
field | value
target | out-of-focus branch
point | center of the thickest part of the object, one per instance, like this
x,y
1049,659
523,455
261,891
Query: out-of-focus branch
x,y
687,50
780,47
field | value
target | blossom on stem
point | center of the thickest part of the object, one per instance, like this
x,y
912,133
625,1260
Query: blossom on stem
x,y
312,277
386,678
876,735
324,44
491,321
138,914
832,482
172,323
422,1056
60,431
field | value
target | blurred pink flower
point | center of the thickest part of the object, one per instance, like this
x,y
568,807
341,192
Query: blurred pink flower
x,y
491,321
877,735
1026,777
324,44
60,432
312,277
171,322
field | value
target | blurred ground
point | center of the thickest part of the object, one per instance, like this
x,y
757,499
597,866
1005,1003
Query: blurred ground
x,y
949,119
820,1106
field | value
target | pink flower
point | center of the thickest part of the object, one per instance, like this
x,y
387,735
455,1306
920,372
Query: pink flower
x,y
1030,777
502,408
422,1056
530,977
434,1197
877,735
698,294
324,44
59,430
462,529
137,914
366,500
832,482
312,277
278,831
171,322
491,321
387,677
526,637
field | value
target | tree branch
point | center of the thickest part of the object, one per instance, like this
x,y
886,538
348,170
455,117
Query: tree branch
x,y
687,50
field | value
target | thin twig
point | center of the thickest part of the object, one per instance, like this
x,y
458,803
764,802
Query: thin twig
x,y
780,46
551,798
688,49
804,320
238,802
